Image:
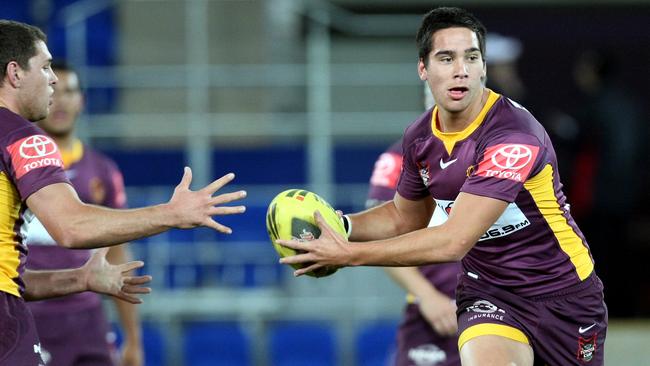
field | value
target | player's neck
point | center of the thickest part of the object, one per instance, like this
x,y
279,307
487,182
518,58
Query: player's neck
x,y
6,103
457,121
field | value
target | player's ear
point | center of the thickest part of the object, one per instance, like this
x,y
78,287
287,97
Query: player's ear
x,y
13,74
422,70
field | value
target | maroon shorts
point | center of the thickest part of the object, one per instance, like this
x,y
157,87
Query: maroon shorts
x,y
75,338
19,343
418,344
567,327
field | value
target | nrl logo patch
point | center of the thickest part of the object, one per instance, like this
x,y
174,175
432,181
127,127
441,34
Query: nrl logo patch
x,y
425,172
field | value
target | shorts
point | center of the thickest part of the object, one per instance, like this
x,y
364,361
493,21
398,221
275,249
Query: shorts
x,y
418,344
567,327
75,338
19,343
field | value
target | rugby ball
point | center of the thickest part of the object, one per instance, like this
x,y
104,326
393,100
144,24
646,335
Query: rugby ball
x,y
290,216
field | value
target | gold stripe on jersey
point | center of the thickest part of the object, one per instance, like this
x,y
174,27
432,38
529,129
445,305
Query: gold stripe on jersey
x,y
10,205
73,155
449,139
542,191
491,329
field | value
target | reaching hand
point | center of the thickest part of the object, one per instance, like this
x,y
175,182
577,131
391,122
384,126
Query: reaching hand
x,y
329,250
105,278
440,311
196,208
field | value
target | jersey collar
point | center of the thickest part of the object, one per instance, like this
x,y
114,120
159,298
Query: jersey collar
x,y
449,139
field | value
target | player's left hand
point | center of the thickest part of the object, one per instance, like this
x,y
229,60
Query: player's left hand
x,y
132,354
105,278
329,250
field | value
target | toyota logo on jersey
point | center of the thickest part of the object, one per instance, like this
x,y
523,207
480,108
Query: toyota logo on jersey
x,y
37,146
33,152
512,157
508,161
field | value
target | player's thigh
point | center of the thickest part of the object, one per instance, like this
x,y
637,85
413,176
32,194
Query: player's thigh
x,y
493,350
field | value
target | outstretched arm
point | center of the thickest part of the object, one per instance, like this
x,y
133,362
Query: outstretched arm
x,y
95,275
74,224
470,218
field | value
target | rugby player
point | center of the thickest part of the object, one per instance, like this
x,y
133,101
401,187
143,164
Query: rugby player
x,y
33,184
73,329
528,293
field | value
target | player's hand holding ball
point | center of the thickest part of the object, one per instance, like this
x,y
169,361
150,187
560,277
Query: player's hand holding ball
x,y
303,228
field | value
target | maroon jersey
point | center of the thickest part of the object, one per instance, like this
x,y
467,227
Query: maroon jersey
x,y
383,184
30,161
98,181
535,247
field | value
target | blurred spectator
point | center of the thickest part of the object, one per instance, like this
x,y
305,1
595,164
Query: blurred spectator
x,y
502,54
608,171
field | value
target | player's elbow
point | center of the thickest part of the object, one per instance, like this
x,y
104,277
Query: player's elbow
x,y
70,238
458,248
67,241
456,245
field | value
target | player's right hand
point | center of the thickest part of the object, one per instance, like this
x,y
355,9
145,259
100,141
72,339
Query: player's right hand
x,y
196,208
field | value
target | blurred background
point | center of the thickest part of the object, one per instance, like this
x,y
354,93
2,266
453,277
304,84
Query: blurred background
x,y
289,93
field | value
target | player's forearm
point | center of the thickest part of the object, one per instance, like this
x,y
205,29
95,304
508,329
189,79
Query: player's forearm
x,y
95,226
40,285
411,280
424,246
378,223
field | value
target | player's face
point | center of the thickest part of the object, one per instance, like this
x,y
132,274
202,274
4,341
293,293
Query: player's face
x,y
66,106
36,85
454,69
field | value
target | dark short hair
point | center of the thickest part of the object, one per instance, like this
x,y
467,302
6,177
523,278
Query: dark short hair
x,y
443,18
17,43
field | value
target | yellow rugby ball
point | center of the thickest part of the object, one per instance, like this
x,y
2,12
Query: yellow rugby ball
x,y
290,216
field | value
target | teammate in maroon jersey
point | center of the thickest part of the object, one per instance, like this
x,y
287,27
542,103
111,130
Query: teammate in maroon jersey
x,y
33,184
73,329
529,292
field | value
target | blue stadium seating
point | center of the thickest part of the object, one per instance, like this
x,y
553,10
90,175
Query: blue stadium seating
x,y
216,344
153,342
375,343
302,344
278,164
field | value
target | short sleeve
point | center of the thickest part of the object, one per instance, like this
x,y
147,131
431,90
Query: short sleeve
x,y
504,164
33,161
